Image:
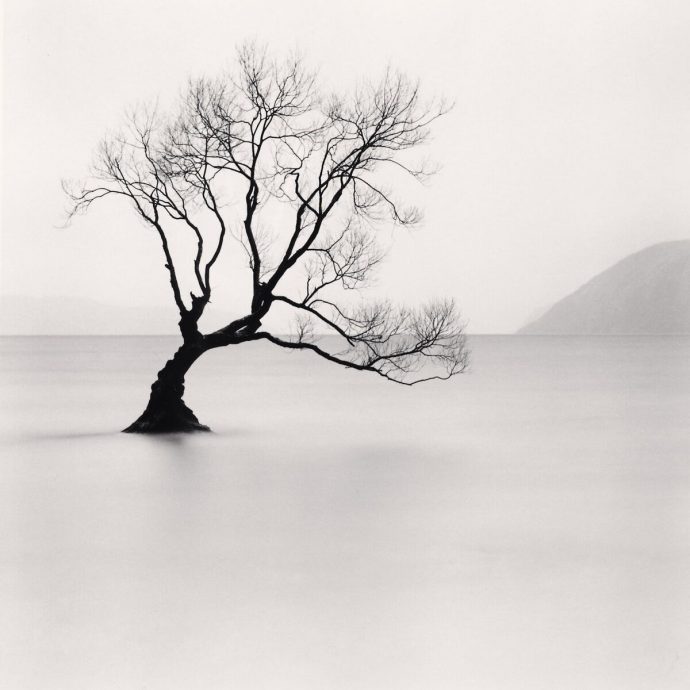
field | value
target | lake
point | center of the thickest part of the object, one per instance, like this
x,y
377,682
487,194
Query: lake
x,y
523,526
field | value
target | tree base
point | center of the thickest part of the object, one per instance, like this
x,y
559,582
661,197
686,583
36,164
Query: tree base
x,y
166,421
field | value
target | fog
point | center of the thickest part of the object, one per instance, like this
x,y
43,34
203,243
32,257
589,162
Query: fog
x,y
568,147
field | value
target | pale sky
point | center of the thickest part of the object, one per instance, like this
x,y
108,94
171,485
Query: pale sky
x,y
568,148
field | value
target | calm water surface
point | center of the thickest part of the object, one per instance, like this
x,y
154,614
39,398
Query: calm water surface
x,y
524,526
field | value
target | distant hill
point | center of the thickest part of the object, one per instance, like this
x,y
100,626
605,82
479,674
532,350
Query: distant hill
x,y
21,315
647,293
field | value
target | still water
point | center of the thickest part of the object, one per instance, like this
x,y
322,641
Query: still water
x,y
523,526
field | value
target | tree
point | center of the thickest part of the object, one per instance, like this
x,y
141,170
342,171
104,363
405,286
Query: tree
x,y
262,135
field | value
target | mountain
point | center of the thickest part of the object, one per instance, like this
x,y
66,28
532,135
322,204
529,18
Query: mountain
x,y
647,293
21,315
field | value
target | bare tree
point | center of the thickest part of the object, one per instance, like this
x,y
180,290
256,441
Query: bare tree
x,y
265,135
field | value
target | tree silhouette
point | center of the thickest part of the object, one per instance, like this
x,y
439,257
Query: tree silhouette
x,y
264,134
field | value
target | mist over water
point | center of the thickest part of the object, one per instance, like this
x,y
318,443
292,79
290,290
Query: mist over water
x,y
522,526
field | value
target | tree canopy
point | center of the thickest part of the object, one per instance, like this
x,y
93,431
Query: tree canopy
x,y
265,132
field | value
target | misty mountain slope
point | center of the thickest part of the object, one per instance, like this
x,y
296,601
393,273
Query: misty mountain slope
x,y
50,315
646,293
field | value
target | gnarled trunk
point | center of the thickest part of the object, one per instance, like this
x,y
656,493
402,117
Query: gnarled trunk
x,y
166,410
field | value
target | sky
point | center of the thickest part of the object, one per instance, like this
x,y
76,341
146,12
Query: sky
x,y
568,147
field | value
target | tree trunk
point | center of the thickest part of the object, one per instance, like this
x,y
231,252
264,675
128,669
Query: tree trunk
x,y
166,411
